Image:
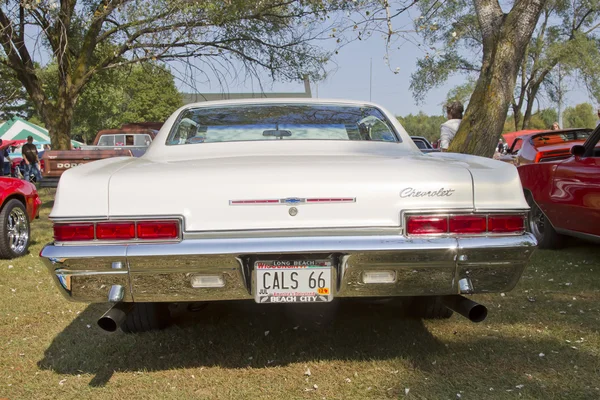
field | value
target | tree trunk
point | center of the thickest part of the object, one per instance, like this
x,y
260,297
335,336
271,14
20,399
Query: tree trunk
x,y
58,118
531,95
488,106
517,115
505,38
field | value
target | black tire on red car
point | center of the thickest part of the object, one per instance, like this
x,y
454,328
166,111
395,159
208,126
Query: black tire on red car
x,y
542,229
430,307
146,317
14,230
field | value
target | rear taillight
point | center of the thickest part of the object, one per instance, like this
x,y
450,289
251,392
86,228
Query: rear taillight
x,y
426,225
153,230
72,232
506,223
115,230
468,224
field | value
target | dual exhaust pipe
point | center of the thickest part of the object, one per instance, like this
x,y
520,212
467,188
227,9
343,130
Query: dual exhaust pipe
x,y
475,312
114,318
469,309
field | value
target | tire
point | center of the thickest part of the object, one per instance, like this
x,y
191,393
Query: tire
x,y
146,317
14,230
542,229
430,307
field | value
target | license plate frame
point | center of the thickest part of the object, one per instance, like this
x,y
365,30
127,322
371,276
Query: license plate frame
x,y
293,281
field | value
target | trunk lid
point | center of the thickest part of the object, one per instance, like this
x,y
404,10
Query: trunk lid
x,y
201,190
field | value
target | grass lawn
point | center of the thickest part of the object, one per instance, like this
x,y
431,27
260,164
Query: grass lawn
x,y
540,341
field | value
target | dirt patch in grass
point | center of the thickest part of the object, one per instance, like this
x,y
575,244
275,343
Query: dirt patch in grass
x,y
540,341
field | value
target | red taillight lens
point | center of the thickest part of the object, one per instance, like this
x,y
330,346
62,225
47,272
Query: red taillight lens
x,y
506,223
426,225
72,232
115,230
148,230
468,224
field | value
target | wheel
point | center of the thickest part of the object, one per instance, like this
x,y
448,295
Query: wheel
x,y
430,307
14,230
147,317
541,227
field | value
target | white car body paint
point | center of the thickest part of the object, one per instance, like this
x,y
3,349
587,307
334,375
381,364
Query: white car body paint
x,y
198,181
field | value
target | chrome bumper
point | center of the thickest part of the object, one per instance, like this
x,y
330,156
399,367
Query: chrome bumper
x,y
162,272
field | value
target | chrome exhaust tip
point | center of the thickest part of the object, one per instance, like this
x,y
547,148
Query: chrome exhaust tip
x,y
114,318
475,312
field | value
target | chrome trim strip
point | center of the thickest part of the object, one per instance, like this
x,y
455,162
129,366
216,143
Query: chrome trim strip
x,y
292,201
298,232
286,245
71,272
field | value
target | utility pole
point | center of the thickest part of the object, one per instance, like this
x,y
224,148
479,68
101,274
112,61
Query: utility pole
x,y
371,79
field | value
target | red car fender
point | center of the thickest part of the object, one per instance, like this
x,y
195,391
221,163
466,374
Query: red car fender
x,y
537,181
24,191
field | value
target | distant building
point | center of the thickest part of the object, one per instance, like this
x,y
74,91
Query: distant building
x,y
200,97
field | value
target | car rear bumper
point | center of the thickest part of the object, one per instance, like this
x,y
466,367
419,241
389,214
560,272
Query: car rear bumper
x,y
162,272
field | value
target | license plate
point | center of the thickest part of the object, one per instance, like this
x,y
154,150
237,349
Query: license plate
x,y
293,281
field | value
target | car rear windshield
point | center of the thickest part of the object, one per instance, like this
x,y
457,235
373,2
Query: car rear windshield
x,y
550,138
253,122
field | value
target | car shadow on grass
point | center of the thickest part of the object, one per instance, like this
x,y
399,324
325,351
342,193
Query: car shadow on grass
x,y
241,335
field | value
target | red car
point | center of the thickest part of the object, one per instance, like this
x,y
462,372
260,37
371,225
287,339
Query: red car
x,y
564,194
543,146
19,204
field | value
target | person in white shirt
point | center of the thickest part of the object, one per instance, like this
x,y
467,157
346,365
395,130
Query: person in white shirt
x,y
454,113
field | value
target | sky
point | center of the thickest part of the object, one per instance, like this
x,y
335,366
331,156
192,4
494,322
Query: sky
x,y
349,73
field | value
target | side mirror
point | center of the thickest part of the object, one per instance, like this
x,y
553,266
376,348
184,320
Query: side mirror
x,y
578,150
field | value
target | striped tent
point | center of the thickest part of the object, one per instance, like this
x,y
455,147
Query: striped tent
x,y
18,129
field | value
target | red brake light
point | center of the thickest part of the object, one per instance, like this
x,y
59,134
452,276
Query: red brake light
x,y
73,232
468,224
426,225
115,230
506,223
148,230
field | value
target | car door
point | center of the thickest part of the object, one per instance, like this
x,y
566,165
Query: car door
x,y
576,190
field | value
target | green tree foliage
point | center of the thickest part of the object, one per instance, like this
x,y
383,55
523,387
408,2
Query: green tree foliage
x,y
13,97
422,124
543,119
461,93
140,93
580,116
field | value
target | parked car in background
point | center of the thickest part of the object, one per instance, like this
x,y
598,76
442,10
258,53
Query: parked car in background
x,y
564,192
286,200
19,204
133,137
423,144
544,146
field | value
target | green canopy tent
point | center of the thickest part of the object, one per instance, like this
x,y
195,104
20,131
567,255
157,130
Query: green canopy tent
x,y
19,129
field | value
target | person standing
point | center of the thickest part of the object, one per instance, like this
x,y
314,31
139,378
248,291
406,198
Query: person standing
x,y
3,155
30,156
454,113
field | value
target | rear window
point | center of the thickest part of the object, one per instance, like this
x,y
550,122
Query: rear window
x,y
549,138
254,122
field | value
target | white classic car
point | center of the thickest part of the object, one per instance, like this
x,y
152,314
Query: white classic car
x,y
286,201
